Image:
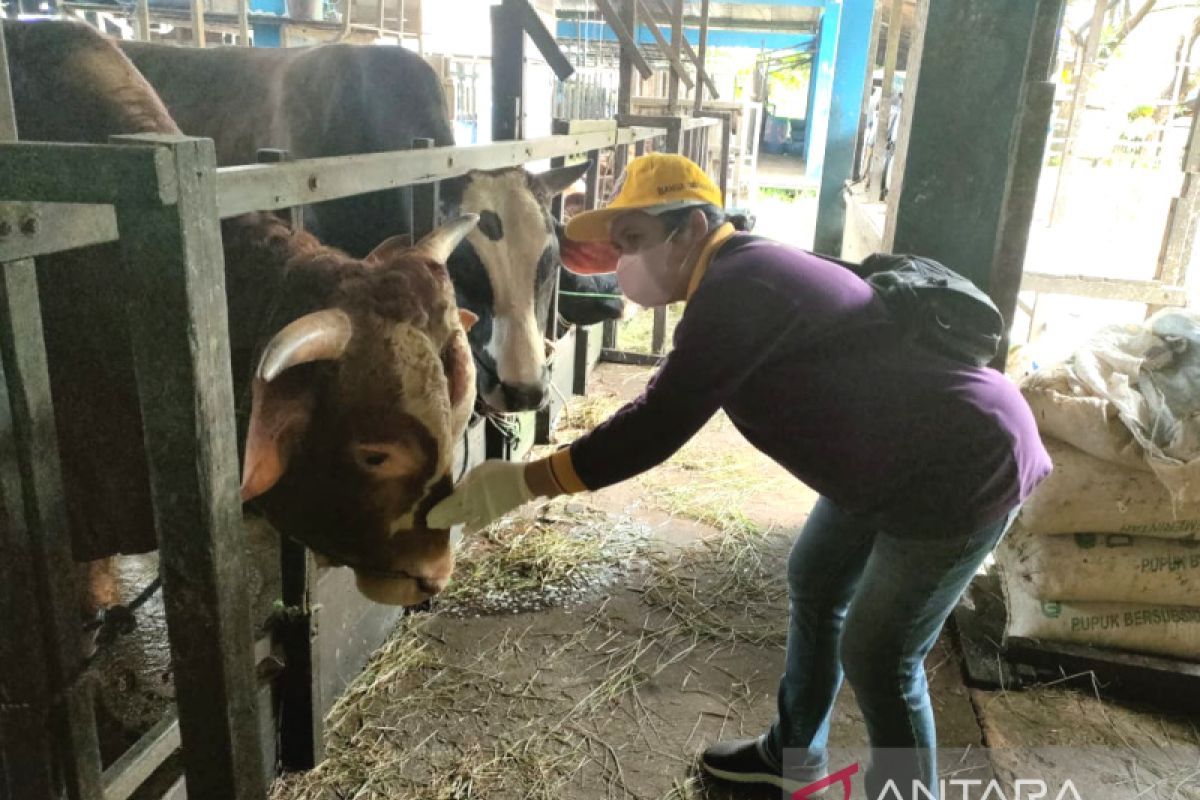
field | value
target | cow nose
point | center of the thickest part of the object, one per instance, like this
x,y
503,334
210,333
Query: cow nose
x,y
431,585
524,397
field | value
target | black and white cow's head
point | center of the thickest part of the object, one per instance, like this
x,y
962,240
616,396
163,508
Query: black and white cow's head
x,y
505,273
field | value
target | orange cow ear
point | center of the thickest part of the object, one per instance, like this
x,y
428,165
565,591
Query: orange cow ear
x,y
587,258
280,415
468,319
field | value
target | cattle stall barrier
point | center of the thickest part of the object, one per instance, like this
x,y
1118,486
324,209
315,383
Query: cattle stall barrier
x,y
161,198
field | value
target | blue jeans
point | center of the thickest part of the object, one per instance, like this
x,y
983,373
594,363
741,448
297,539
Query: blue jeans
x,y
869,605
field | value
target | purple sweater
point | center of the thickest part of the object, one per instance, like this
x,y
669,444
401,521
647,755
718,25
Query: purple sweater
x,y
805,360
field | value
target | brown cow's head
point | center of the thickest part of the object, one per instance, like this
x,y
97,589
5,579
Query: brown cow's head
x,y
357,409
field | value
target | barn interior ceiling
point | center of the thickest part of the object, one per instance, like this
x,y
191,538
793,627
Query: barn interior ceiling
x,y
775,17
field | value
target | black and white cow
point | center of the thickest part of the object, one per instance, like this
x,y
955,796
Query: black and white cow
x,y
504,272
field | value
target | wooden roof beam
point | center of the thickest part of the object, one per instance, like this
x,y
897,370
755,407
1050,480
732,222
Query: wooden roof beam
x,y
625,37
676,64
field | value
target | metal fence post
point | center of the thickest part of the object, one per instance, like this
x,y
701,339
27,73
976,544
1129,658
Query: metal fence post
x,y
179,329
425,200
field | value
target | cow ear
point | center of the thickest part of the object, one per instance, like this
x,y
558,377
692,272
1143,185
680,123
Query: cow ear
x,y
388,248
587,258
468,319
280,414
556,180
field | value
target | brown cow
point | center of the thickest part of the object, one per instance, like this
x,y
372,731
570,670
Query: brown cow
x,y
354,377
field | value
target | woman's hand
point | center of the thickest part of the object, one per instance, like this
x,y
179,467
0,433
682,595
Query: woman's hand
x,y
485,494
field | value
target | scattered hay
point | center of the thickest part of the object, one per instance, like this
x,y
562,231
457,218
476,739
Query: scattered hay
x,y
385,740
636,334
567,553
731,589
727,481
581,414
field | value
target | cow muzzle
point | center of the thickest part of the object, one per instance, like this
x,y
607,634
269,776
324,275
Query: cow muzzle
x,y
524,397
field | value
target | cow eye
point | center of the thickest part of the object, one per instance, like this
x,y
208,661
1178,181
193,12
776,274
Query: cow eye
x,y
375,458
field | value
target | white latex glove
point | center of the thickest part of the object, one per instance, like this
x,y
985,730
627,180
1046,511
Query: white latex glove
x,y
485,494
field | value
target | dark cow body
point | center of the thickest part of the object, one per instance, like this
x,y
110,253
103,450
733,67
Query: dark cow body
x,y
348,428
334,100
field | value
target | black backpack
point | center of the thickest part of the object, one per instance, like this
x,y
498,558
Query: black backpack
x,y
936,305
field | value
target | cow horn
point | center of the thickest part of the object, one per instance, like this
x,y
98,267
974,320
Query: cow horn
x,y
441,243
319,336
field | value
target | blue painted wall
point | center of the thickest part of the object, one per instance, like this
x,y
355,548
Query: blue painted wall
x,y
845,110
571,29
266,34
821,89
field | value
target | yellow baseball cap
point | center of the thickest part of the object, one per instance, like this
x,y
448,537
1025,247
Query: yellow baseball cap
x,y
654,183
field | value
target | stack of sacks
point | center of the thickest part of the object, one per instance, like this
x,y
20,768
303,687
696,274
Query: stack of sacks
x,y
1107,551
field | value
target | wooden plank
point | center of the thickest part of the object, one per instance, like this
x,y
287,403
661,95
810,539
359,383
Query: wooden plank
x,y
508,71
543,39
143,19
589,342
471,451
49,173
1179,236
273,155
175,263
198,33
48,737
625,85
130,771
562,383
1166,682
38,557
699,61
178,791
676,34
558,127
243,12
884,119
726,120
425,200
34,229
628,44
624,357
8,115
301,716
1151,292
26,740
674,127
677,68
261,187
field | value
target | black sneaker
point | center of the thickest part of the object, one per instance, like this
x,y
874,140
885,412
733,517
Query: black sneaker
x,y
746,761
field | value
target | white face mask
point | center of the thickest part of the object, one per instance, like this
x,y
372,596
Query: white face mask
x,y
644,277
